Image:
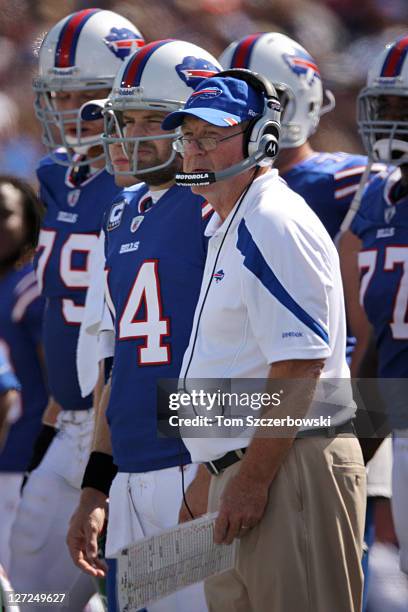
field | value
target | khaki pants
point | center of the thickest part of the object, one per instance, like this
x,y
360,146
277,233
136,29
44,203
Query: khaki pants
x,y
305,554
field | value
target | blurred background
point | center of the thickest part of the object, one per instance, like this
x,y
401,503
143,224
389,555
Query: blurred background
x,y
342,35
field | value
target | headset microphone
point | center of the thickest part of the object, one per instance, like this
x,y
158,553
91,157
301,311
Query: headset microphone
x,y
268,150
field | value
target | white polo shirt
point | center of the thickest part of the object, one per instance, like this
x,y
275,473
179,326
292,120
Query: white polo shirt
x,y
271,292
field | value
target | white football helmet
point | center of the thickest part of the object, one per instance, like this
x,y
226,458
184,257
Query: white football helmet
x,y
384,133
295,76
83,51
160,76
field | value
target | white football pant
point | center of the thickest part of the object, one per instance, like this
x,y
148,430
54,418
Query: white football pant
x,y
10,485
142,505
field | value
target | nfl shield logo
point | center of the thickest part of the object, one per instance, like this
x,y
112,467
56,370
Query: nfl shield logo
x,y
136,221
73,197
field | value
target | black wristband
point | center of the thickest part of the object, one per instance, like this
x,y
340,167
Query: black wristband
x,y
44,439
99,472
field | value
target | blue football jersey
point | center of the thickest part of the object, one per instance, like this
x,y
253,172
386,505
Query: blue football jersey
x,y
328,182
70,229
382,226
154,260
21,316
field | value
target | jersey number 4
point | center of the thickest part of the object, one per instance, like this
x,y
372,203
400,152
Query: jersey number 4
x,y
73,277
145,294
394,255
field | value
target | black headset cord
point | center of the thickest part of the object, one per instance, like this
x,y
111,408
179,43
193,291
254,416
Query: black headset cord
x,y
241,199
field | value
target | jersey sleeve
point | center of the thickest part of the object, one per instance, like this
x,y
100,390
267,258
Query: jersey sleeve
x,y
286,281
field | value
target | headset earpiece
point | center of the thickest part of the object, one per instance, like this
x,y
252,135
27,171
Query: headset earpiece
x,y
266,124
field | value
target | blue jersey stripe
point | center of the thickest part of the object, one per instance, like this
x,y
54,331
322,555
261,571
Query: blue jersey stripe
x,y
255,262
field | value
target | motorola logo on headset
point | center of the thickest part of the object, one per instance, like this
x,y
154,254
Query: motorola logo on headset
x,y
271,148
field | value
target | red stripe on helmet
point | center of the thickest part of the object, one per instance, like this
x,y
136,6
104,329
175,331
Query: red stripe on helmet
x,y
132,75
393,58
64,47
242,52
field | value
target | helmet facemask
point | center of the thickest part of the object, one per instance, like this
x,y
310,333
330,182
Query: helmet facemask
x,y
385,137
115,134
55,123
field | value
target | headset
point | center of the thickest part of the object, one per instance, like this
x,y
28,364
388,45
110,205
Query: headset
x,y
261,136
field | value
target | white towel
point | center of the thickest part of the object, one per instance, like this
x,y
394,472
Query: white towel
x,y
87,347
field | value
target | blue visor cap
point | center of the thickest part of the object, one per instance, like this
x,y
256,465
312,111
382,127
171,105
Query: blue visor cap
x,y
220,101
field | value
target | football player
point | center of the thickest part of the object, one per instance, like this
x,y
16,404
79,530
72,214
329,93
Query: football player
x,y
155,252
379,231
78,60
21,314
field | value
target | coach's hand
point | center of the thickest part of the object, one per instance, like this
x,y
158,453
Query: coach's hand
x,y
196,496
242,506
86,525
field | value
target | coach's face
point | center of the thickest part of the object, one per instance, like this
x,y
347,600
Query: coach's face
x,y
208,148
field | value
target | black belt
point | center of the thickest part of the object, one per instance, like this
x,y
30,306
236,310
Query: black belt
x,y
221,464
328,432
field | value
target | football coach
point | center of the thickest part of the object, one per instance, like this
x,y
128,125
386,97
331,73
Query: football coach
x,y
271,307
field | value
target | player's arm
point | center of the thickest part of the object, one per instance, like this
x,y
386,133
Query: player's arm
x,y
88,521
44,438
52,408
370,417
32,320
349,248
371,422
8,399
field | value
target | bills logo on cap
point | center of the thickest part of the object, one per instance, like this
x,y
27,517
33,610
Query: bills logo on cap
x,y
206,94
73,197
135,224
123,42
302,64
193,70
115,215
